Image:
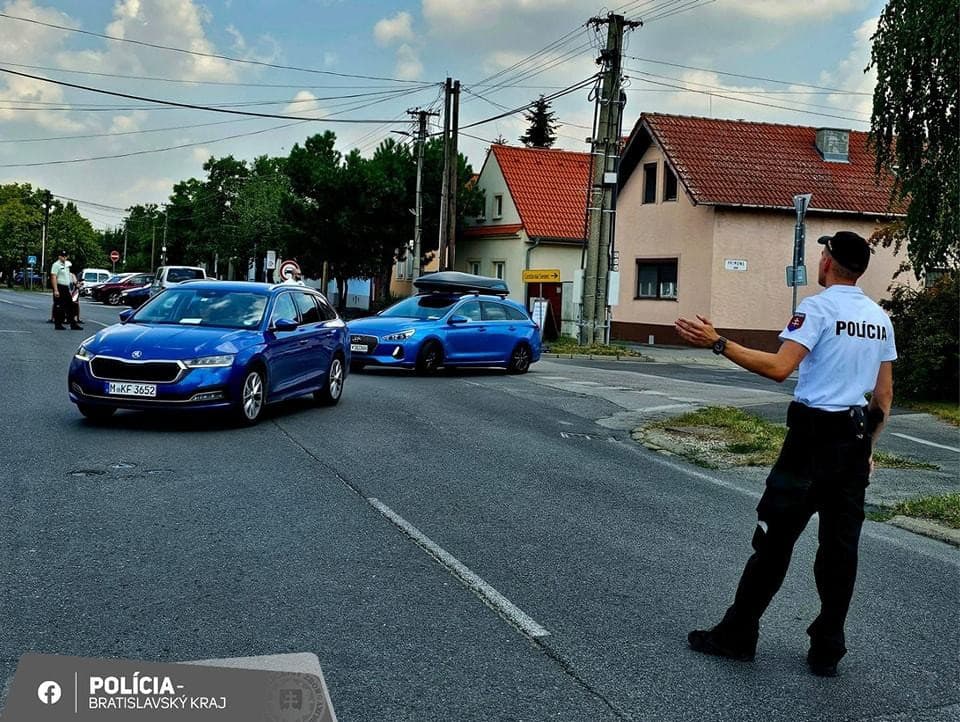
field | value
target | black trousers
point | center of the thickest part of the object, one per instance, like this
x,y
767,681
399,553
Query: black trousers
x,y
63,306
823,467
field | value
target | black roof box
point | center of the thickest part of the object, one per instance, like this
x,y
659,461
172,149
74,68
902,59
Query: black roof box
x,y
456,282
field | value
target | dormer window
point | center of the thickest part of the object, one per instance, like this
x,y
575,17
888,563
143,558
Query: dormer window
x,y
834,144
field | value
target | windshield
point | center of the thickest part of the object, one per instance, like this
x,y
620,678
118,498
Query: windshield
x,y
425,308
204,307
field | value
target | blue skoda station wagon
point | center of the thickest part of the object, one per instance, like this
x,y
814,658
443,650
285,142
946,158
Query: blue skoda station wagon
x,y
450,323
214,345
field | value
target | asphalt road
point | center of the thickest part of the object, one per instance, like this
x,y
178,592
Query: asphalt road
x,y
170,538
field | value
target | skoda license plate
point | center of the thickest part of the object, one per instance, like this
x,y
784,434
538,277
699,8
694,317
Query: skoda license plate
x,y
129,389
361,347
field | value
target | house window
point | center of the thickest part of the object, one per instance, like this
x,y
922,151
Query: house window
x,y
657,279
497,206
669,183
409,264
474,267
649,182
401,270
499,269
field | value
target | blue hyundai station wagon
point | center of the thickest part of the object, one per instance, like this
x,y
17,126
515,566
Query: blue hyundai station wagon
x,y
214,345
457,319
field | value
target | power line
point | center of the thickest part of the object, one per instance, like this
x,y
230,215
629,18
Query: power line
x,y
751,102
191,106
566,91
152,150
201,54
182,81
748,77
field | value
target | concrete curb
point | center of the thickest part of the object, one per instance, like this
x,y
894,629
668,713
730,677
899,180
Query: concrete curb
x,y
928,528
596,357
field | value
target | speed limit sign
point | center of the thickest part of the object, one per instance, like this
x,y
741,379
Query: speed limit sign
x,y
288,270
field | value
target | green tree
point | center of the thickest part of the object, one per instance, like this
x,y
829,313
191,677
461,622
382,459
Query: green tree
x,y
925,324
542,130
69,230
21,218
916,53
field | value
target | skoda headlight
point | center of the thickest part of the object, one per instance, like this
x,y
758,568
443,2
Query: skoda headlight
x,y
400,335
210,362
82,353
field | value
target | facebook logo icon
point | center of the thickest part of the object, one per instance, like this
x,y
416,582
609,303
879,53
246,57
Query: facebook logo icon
x,y
49,692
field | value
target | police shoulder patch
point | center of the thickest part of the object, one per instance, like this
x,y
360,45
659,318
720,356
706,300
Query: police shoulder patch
x,y
796,321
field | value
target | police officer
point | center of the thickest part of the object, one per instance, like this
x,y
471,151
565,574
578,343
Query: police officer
x,y
63,303
843,344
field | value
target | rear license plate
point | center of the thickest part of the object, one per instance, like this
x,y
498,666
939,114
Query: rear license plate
x,y
122,389
361,347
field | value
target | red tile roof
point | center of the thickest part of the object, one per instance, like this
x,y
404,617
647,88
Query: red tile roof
x,y
549,189
739,163
485,231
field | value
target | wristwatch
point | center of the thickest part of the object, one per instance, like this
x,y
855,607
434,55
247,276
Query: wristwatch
x,y
719,346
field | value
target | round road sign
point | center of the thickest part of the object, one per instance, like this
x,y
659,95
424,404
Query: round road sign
x,y
114,256
287,270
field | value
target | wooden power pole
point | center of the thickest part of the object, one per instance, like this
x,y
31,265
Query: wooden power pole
x,y
601,198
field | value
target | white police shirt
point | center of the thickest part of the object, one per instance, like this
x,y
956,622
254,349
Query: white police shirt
x,y
848,336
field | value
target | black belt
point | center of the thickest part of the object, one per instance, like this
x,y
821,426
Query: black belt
x,y
849,423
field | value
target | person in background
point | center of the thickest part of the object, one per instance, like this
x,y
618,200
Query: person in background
x,y
60,281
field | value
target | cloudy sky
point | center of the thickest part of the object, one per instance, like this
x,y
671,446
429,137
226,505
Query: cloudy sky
x,y
371,60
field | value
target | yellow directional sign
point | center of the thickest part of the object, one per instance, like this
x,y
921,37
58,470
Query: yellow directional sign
x,y
541,275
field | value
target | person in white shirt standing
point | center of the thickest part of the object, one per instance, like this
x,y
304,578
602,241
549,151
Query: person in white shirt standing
x,y
62,301
843,344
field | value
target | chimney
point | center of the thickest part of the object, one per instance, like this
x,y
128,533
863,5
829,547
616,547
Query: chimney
x,y
834,144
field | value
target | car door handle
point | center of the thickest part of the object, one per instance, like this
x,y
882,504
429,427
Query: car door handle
x,y
481,330
511,328
304,341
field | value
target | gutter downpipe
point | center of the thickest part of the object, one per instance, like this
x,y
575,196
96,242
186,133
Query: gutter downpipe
x,y
526,301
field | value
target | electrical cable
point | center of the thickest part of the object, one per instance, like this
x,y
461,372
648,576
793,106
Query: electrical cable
x,y
201,54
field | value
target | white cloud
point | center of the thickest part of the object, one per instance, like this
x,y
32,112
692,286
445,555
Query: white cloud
x,y
397,28
459,15
200,155
408,65
128,123
786,11
304,104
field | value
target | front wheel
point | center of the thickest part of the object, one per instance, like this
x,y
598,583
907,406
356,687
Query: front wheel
x,y
429,359
519,360
114,298
96,413
329,394
252,398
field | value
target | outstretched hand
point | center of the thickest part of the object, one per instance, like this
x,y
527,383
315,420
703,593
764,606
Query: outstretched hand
x,y
697,333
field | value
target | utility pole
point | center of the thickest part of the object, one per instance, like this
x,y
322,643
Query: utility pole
x,y
445,179
124,263
43,238
601,196
163,253
454,183
418,224
153,241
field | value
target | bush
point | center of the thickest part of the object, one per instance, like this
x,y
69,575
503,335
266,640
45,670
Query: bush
x,y
926,324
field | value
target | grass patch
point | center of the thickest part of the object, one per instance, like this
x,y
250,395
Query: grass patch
x,y
944,508
727,436
944,410
568,344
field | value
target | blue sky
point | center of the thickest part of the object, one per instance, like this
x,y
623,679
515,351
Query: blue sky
x,y
414,46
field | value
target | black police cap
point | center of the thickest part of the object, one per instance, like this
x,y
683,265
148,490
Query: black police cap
x,y
848,249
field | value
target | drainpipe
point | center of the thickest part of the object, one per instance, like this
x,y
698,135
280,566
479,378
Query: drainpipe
x,y
529,251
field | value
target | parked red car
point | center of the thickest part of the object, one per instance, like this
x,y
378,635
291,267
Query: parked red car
x,y
110,291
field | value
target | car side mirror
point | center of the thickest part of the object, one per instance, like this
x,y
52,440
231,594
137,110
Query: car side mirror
x,y
125,315
457,319
284,324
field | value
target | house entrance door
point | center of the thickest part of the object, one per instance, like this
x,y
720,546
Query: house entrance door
x,y
553,292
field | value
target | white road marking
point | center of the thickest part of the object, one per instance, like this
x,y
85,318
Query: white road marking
x,y
20,305
11,331
488,594
924,441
